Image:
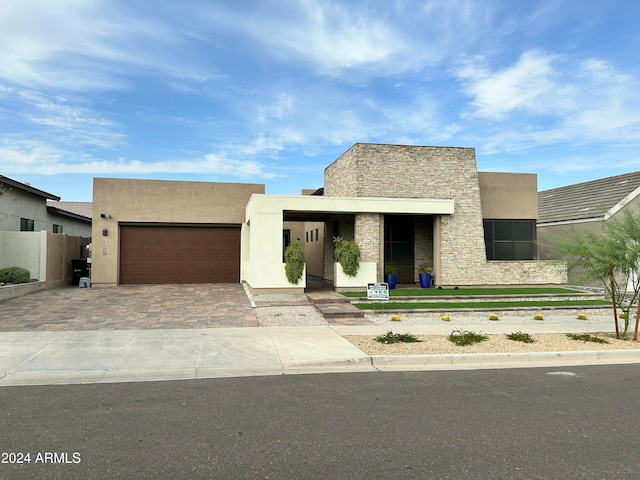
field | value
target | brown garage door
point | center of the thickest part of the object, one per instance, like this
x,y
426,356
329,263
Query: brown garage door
x,y
179,254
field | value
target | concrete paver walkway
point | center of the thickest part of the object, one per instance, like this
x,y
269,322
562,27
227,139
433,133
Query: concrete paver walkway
x,y
130,307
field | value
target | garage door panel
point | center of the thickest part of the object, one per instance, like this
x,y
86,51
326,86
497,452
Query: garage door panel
x,y
178,254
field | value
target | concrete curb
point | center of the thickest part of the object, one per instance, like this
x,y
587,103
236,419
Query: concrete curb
x,y
501,360
462,361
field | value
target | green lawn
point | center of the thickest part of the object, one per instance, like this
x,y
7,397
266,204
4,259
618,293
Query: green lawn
x,y
497,304
437,292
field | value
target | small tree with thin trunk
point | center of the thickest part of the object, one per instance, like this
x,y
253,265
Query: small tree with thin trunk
x,y
613,259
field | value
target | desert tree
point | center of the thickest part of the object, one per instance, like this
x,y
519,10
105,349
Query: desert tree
x,y
612,258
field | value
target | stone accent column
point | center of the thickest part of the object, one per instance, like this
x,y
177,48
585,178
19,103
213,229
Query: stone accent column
x,y
367,236
437,249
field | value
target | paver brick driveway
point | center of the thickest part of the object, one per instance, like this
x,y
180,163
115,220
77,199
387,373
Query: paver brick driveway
x,y
130,307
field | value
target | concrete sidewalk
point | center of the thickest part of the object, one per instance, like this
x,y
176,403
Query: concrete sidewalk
x,y
49,357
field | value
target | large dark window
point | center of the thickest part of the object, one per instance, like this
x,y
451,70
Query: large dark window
x,y
26,225
509,239
399,245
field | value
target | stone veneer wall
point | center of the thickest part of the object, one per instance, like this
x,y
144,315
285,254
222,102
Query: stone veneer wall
x,y
530,272
370,170
367,236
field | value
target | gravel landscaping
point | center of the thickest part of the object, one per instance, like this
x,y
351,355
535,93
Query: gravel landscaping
x,y
440,344
286,311
290,310
294,316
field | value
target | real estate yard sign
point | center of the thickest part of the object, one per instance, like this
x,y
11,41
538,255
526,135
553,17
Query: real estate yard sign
x,y
377,291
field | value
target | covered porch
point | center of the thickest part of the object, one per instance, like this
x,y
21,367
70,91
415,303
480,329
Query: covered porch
x,y
366,220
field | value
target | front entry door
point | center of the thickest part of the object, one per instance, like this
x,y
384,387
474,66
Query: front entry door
x,y
398,245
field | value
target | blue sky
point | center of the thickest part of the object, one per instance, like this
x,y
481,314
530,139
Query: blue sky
x,y
267,91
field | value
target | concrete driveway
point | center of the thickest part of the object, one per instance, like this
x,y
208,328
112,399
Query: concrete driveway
x,y
130,307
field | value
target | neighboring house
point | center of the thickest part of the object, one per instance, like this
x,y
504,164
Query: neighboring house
x,y
40,233
24,208
407,205
77,216
583,206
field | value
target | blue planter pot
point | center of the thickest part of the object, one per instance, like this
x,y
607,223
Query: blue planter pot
x,y
391,279
425,280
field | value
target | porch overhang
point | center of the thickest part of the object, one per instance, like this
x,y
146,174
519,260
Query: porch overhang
x,y
289,204
261,252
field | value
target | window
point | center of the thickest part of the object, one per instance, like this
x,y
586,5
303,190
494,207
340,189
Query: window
x,y
26,225
307,237
317,238
57,228
509,239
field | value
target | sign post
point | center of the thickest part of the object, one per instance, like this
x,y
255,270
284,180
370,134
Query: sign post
x,y
377,291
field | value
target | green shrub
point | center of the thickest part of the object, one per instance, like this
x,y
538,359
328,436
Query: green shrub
x,y
15,275
294,262
520,337
465,337
391,337
587,337
390,269
348,255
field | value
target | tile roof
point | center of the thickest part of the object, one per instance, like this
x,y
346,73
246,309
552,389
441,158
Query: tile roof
x,y
83,209
587,200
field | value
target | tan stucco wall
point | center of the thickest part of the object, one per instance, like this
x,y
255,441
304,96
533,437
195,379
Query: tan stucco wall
x,y
158,201
61,249
509,195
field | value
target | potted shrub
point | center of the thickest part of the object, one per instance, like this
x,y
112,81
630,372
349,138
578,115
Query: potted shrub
x,y
425,274
391,275
347,254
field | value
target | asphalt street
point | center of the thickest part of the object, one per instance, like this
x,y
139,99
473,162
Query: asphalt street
x,y
536,423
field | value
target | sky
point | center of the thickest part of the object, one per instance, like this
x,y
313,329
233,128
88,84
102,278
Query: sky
x,y
272,91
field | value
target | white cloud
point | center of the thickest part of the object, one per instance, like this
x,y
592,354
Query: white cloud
x,y
27,157
521,87
81,45
545,99
59,119
328,34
